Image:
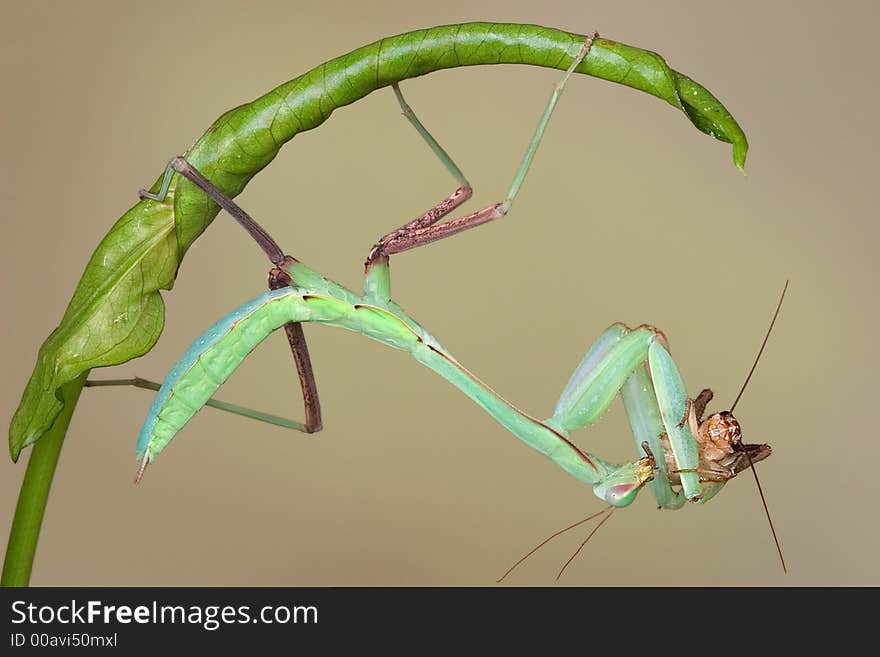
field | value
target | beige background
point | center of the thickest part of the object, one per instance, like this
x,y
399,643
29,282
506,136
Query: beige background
x,y
629,215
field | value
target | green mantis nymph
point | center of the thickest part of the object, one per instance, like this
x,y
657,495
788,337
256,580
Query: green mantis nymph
x,y
681,456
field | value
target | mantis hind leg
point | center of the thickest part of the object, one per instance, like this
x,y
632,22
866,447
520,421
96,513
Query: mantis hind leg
x,y
278,277
425,228
146,384
300,350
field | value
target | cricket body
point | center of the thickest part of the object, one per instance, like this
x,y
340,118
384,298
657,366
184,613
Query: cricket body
x,y
722,453
681,457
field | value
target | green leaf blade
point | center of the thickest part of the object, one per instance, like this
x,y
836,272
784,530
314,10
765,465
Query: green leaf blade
x,y
116,314
711,117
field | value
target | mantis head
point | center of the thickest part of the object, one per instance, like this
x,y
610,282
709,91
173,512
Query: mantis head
x,y
621,487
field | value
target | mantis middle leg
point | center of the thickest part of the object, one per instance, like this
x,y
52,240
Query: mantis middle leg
x,y
425,228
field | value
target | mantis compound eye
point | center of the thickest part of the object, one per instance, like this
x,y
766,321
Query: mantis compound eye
x,y
722,430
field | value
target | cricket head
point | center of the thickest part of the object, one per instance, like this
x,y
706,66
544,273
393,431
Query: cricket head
x,y
722,452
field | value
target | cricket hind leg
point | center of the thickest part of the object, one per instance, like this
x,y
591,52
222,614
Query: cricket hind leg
x,y
425,228
701,402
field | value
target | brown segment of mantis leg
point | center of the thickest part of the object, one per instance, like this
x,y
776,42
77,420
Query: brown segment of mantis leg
x,y
300,350
405,238
427,219
411,234
278,278
256,231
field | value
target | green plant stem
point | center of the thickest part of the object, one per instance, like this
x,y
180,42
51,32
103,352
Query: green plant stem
x,y
34,493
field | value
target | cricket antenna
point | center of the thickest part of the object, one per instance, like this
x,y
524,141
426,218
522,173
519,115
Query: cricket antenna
x,y
746,451
581,546
766,511
761,350
554,535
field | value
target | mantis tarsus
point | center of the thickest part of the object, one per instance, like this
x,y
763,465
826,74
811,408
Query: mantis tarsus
x,y
683,457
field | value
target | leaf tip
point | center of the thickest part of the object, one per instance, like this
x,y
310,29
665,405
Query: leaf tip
x,y
18,438
740,150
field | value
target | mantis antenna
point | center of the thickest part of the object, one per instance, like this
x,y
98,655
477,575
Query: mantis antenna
x,y
554,535
581,546
748,456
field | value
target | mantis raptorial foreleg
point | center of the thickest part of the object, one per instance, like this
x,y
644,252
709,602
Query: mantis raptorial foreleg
x,y
653,396
616,356
424,229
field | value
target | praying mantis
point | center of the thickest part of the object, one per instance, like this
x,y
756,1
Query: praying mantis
x,y
682,457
